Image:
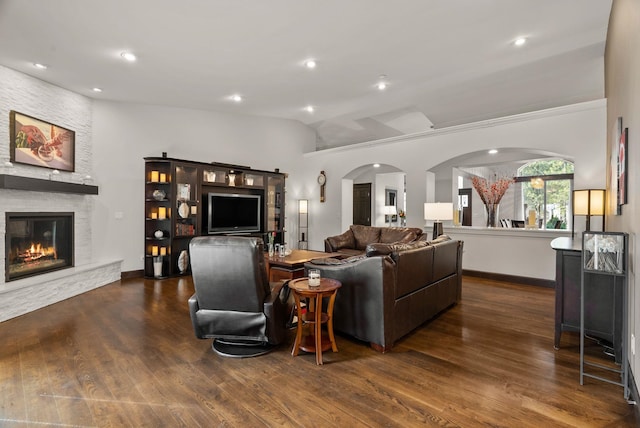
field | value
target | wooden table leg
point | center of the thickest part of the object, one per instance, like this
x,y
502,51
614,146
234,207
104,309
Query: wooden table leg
x,y
296,343
332,338
318,328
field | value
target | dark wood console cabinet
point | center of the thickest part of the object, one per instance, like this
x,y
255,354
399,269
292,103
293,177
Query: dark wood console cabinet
x,y
175,206
604,298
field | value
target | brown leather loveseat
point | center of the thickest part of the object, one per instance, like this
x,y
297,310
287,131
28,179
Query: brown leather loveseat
x,y
355,240
394,288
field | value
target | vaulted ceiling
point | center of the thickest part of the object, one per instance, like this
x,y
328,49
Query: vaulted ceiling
x,y
445,62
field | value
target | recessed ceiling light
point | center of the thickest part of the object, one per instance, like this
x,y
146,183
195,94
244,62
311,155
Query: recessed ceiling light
x,y
520,41
237,98
97,90
310,63
376,165
493,151
40,66
382,82
309,109
128,56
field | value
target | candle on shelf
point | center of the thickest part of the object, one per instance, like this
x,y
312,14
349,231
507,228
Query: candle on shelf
x,y
154,250
162,213
532,218
194,209
154,176
163,178
163,251
154,215
456,218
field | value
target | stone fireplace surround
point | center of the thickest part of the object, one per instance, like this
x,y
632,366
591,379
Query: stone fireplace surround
x,y
25,295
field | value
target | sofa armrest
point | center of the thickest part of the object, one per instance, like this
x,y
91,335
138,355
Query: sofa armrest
x,y
344,240
364,304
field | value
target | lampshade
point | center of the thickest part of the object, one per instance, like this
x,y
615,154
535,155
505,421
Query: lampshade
x,y
303,205
588,202
389,210
438,211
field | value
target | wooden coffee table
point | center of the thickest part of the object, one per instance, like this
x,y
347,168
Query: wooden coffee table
x,y
315,316
292,266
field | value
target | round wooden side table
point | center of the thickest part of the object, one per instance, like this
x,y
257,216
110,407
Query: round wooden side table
x,y
314,316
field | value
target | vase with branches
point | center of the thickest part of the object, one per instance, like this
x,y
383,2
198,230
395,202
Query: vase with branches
x,y
491,194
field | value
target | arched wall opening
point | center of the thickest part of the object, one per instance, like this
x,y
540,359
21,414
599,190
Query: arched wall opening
x,y
384,180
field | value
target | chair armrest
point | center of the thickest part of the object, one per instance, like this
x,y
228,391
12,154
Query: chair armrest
x,y
275,310
194,306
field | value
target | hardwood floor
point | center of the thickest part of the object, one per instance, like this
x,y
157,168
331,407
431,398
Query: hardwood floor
x,y
125,355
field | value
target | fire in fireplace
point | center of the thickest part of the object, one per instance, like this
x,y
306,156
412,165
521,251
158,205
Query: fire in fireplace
x,y
36,243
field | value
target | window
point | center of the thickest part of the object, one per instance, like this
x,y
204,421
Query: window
x,y
545,191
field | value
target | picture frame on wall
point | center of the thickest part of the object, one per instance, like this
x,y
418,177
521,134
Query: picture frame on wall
x,y
39,143
622,166
613,200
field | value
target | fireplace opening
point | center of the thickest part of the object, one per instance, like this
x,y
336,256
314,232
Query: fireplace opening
x,y
36,243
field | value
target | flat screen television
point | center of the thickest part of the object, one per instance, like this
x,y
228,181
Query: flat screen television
x,y
231,212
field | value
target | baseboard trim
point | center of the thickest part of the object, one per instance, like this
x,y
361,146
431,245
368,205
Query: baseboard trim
x,y
132,274
510,278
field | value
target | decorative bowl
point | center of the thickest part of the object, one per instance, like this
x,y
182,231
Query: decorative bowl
x,y
158,195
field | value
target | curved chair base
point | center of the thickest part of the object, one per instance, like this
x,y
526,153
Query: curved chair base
x,y
240,349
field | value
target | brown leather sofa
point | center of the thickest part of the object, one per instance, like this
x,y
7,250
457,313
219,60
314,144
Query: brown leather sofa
x,y
355,240
394,288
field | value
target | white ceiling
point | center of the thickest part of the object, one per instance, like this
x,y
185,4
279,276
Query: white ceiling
x,y
448,62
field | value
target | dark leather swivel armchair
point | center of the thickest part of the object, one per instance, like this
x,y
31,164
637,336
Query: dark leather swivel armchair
x,y
233,302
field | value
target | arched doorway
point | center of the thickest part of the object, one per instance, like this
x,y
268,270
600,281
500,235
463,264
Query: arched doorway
x,y
368,189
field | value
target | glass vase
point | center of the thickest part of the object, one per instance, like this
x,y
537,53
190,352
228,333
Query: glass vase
x,y
491,214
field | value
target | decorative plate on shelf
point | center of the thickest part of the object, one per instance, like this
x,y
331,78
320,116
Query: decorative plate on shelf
x,y
183,210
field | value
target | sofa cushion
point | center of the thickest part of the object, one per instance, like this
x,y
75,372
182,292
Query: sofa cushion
x,y
383,249
349,252
390,235
344,240
445,259
441,238
330,261
364,235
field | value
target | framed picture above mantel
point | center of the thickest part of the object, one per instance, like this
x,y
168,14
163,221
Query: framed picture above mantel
x,y
39,143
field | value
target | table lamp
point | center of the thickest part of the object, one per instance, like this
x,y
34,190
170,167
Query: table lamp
x,y
438,211
389,210
588,202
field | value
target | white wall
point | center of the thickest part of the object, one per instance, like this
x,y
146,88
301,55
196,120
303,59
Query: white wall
x,y
622,88
575,132
123,134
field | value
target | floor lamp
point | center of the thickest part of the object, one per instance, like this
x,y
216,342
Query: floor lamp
x,y
438,211
303,224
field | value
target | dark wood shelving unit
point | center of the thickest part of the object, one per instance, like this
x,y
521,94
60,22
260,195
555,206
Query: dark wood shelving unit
x,y
186,185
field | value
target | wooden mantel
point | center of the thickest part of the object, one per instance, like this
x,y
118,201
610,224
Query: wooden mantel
x,y
17,182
